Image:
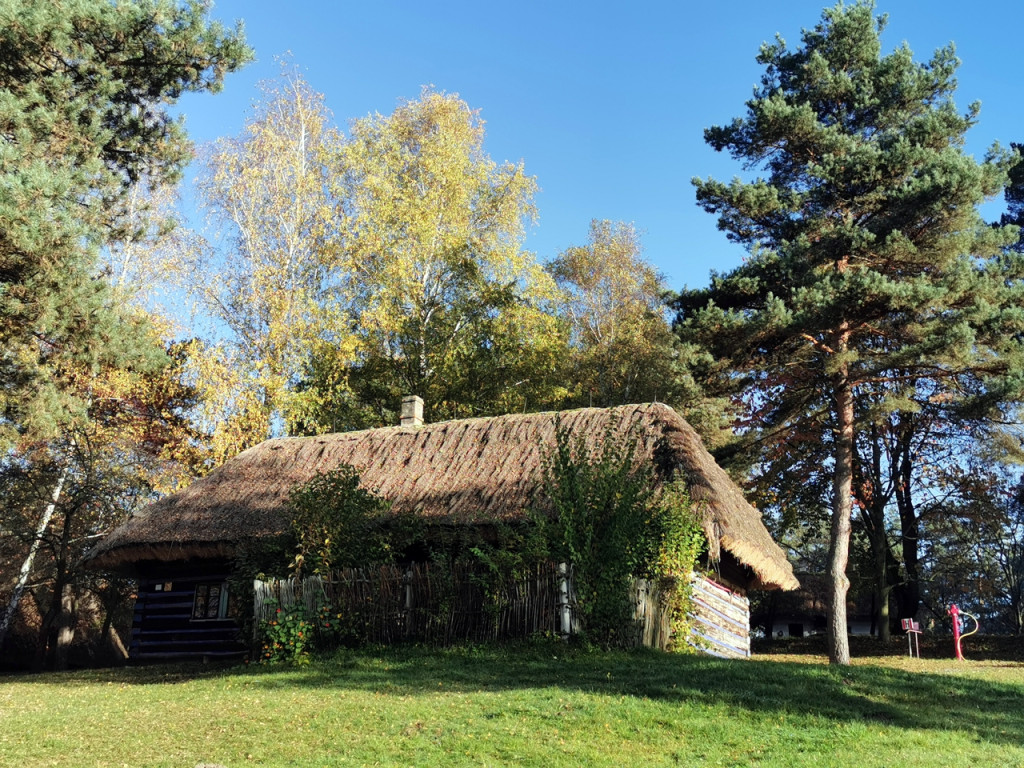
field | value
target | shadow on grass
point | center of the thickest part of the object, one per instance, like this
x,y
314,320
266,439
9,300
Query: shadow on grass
x,y
989,711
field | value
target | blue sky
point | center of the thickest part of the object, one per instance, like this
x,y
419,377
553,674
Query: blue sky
x,y
605,103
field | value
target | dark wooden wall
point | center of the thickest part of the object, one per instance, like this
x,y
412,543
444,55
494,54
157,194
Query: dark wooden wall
x,y
164,627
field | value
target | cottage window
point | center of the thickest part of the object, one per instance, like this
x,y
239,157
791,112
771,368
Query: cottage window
x,y
211,602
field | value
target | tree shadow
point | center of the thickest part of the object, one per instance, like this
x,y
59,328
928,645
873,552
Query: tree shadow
x,y
989,711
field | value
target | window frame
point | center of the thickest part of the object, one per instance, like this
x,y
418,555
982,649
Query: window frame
x,y
201,601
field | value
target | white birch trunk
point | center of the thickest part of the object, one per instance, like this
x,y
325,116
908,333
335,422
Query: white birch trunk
x,y
26,567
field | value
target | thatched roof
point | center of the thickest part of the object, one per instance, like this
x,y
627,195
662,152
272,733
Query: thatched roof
x,y
470,471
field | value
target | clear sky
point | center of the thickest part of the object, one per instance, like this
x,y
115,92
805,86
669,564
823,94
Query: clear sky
x,y
604,102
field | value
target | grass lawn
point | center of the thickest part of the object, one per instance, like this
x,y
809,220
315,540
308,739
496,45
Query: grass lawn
x,y
543,705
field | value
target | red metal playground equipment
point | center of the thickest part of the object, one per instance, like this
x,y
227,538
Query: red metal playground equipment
x,y
958,627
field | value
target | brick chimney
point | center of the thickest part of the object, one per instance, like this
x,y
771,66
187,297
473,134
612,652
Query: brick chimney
x,y
412,411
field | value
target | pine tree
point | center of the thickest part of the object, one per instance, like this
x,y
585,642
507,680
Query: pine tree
x,y
1015,198
83,92
870,271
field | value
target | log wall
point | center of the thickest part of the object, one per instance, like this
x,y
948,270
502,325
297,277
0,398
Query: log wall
x,y
420,603
165,626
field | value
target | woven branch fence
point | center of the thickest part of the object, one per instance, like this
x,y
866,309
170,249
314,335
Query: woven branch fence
x,y
438,605
443,605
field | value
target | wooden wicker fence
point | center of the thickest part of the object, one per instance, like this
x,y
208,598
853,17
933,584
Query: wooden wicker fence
x,y
440,605
427,603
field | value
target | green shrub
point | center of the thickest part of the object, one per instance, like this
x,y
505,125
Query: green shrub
x,y
608,520
338,524
681,540
286,637
291,634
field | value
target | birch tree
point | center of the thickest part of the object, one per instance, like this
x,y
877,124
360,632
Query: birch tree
x,y
449,305
623,350
264,276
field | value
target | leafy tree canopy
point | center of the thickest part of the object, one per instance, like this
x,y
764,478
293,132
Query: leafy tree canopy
x,y
622,349
265,277
446,302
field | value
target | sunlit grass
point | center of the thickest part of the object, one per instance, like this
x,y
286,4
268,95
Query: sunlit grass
x,y
536,705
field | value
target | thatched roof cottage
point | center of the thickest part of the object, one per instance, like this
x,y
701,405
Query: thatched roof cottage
x,y
467,472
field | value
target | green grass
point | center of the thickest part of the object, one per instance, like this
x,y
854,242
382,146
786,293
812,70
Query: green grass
x,y
542,705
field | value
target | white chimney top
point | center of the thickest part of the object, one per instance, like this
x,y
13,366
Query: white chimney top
x,y
412,411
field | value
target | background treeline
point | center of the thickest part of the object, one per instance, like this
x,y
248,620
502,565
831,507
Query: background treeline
x,y
860,371
346,270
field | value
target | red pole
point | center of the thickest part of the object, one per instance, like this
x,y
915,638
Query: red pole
x,y
955,613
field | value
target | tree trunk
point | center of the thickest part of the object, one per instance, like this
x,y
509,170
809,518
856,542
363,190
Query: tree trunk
x,y
67,621
108,598
58,623
26,567
46,641
115,642
110,633
884,566
842,510
910,595
882,591
873,502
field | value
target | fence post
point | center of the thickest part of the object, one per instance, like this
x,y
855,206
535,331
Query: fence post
x,y
565,611
408,602
259,595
